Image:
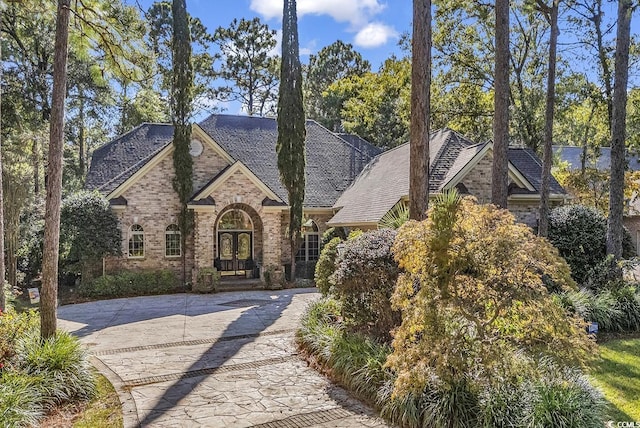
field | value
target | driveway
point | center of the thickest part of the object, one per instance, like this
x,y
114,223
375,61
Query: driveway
x,y
221,360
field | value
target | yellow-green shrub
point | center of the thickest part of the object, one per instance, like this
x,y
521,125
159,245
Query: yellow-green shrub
x,y
473,301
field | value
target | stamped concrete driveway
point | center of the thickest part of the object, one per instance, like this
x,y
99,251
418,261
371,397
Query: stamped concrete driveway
x,y
223,360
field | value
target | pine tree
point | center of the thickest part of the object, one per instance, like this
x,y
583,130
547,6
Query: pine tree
x,y
551,13
500,177
420,110
2,265
619,129
50,254
291,125
181,99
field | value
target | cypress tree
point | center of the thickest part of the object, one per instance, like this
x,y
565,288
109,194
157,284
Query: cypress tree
x,y
291,125
181,98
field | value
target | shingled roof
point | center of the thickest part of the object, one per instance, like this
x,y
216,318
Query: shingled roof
x,y
116,161
332,163
573,156
385,181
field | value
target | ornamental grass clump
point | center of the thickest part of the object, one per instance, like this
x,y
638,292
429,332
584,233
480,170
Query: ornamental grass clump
x,y
37,375
61,365
476,311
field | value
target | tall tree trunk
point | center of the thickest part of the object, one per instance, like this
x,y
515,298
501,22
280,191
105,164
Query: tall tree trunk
x,y
500,173
49,293
82,152
552,14
35,160
2,266
420,110
585,140
618,130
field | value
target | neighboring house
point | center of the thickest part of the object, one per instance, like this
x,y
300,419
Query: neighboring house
x,y
573,155
240,206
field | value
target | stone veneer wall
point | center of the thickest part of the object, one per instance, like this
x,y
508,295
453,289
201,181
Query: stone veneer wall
x,y
478,180
238,191
153,204
206,166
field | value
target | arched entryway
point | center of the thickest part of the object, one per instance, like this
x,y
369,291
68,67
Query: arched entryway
x,y
238,232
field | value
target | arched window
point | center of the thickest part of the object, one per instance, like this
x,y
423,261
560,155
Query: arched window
x,y
235,220
310,246
136,241
172,245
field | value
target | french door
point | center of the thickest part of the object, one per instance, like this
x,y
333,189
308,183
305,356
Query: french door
x,y
234,252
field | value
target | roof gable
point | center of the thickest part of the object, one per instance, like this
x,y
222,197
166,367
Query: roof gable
x,y
116,161
224,175
385,180
331,162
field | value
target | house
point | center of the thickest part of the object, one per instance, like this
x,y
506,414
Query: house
x,y
573,155
240,206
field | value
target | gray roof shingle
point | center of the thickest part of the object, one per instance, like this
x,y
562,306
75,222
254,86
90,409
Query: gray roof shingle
x,y
116,161
573,156
386,179
530,166
332,162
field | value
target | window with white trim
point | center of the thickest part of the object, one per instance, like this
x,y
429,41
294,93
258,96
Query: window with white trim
x,y
136,241
310,246
172,244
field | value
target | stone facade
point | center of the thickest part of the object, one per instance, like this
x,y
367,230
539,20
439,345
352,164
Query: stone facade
x,y
478,180
153,204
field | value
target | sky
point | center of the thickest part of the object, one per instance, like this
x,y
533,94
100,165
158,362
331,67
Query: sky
x,y
372,26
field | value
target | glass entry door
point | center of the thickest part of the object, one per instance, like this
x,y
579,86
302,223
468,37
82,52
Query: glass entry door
x,y
235,252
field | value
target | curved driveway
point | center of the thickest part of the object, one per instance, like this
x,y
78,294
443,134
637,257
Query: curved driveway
x,y
221,360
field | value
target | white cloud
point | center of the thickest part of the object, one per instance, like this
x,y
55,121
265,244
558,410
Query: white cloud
x,y
356,12
374,34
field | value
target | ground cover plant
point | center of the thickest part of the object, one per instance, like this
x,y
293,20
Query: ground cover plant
x,y
483,340
35,375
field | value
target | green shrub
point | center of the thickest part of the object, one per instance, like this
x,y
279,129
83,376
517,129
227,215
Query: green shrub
x,y
580,235
364,279
21,403
326,266
132,284
61,365
14,325
547,394
331,233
